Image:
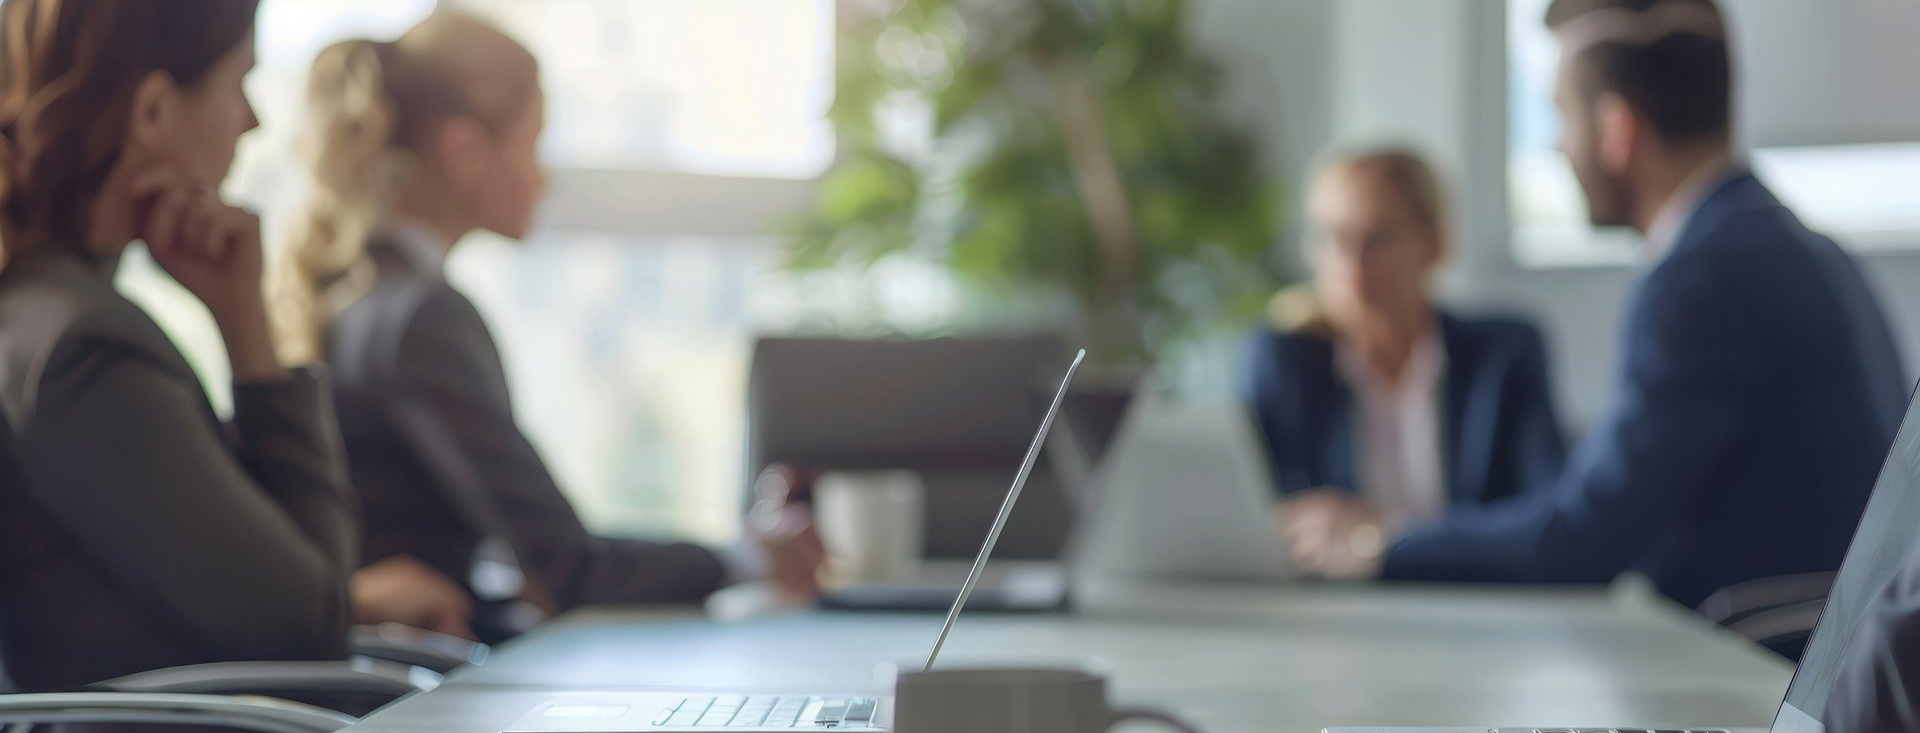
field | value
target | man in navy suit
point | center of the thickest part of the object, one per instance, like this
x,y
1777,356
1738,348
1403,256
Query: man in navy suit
x,y
1757,389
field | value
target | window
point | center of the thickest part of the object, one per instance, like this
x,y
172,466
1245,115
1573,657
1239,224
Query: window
x,y
1548,209
677,132
719,87
1810,106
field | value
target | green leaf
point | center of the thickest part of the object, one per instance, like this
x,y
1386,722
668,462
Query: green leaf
x,y
863,187
996,201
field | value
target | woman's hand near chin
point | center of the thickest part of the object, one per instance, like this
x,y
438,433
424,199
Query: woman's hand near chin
x,y
213,250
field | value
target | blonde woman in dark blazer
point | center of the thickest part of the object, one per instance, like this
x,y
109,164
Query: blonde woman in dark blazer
x,y
415,143
1372,394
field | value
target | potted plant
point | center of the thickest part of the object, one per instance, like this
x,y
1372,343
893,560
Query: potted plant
x,y
1072,149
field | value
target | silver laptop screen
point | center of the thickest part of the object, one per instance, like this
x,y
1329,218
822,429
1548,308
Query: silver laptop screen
x,y
1881,546
1006,510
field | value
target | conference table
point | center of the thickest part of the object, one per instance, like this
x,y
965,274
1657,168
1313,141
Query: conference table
x,y
1226,658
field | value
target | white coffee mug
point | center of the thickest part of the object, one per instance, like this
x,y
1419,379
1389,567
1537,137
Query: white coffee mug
x,y
1010,701
871,524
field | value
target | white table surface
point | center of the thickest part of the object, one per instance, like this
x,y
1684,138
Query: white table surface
x,y
1289,658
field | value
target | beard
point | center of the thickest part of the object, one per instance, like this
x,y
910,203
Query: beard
x,y
1607,199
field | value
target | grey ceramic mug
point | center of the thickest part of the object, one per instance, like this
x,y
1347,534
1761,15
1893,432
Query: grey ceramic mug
x,y
1010,701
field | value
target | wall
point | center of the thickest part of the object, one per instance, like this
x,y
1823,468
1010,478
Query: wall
x,y
1277,53
1433,72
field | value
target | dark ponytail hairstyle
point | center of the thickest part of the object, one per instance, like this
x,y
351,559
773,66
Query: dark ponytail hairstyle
x,y
68,72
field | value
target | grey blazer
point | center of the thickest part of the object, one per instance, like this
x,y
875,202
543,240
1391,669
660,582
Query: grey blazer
x,y
441,465
141,532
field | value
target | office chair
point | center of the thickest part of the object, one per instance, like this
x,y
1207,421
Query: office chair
x,y
260,715
267,697
960,411
1777,613
355,687
416,647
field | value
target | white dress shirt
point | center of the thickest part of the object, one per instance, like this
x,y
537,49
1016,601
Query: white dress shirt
x,y
417,241
1400,467
1673,216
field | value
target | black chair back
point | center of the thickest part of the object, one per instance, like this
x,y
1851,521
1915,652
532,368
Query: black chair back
x,y
960,411
1777,613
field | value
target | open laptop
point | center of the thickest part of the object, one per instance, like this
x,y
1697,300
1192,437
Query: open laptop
x,y
1185,493
1885,538
666,711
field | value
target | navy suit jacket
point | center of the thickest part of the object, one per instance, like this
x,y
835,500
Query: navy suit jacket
x,y
1757,393
1499,428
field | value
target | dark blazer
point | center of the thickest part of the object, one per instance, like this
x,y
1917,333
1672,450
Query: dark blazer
x,y
441,464
1757,392
1500,432
1879,684
141,532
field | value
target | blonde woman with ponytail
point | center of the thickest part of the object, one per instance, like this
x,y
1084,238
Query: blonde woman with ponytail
x,y
412,144
353,164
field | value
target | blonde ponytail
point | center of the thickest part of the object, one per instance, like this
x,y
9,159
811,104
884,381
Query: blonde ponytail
x,y
353,161
371,106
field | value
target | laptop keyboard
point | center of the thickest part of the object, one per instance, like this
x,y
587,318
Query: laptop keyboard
x,y
767,711
1617,730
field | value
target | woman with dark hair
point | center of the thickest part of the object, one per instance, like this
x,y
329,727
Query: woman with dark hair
x,y
146,533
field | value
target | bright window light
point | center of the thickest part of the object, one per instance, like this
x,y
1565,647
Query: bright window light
x,y
1866,195
718,87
